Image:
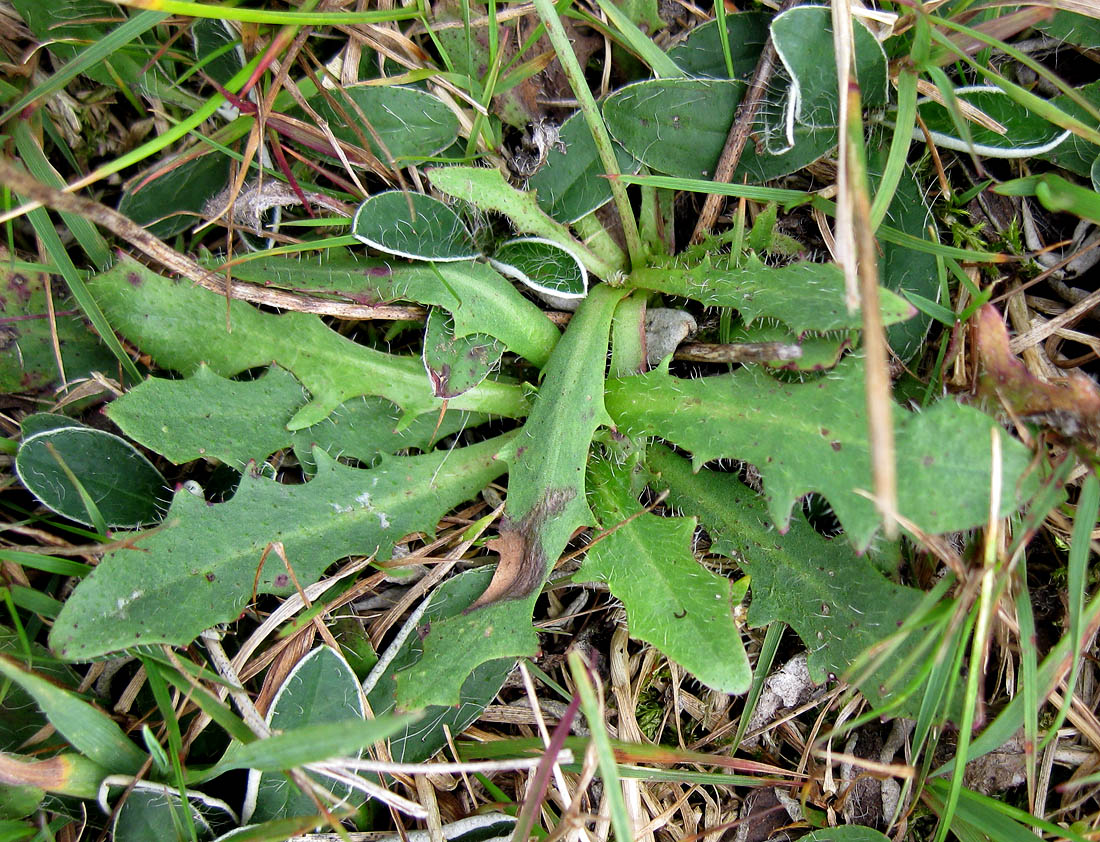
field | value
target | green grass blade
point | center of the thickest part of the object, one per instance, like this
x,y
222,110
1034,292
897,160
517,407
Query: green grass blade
x,y
1088,506
177,132
175,739
95,517
763,667
641,44
1023,58
224,11
46,563
34,159
44,227
900,238
1030,101
1011,717
724,37
951,104
1002,821
573,72
1029,679
944,669
88,729
787,198
978,642
605,754
96,53
899,148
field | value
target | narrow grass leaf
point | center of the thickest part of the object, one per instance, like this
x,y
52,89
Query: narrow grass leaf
x,y
1028,685
287,18
760,672
47,233
314,743
34,159
605,755
641,44
1080,549
899,147
88,729
555,32
91,57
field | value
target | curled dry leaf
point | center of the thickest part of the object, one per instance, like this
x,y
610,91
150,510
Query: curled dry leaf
x,y
251,203
1070,408
522,563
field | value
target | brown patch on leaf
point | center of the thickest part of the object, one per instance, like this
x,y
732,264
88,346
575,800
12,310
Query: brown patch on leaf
x,y
522,565
1070,407
50,774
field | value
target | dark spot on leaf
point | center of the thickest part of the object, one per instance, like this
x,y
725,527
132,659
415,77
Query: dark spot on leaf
x,y
134,278
379,271
18,285
210,577
928,461
835,445
281,580
825,432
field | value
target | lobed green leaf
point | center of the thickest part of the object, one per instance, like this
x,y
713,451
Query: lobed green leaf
x,y
201,566
813,437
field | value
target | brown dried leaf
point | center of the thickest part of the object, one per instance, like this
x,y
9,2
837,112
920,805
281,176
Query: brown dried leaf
x,y
514,576
1070,407
522,565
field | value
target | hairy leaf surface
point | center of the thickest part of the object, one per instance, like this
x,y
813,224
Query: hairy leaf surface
x,y
200,567
480,299
813,437
546,504
236,422
804,296
835,600
671,600
182,326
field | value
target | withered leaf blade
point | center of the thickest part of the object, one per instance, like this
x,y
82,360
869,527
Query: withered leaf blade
x,y
1070,408
522,566
513,574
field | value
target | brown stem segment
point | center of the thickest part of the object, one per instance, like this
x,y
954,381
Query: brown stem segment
x,y
739,133
24,184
